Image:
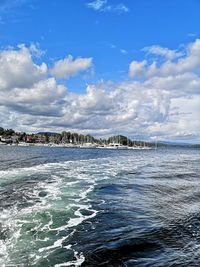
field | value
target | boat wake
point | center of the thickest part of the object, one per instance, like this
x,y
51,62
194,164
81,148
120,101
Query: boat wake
x,y
40,209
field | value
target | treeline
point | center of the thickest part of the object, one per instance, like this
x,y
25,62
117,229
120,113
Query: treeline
x,y
9,136
6,132
66,137
69,137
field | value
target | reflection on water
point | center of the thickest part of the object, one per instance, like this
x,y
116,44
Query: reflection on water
x,y
71,207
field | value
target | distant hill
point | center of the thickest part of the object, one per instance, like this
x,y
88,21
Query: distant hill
x,y
48,133
180,144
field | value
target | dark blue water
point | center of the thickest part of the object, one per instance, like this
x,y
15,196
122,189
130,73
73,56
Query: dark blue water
x,y
95,207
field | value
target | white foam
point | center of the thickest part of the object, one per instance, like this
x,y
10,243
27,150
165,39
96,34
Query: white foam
x,y
79,260
66,178
84,193
56,244
78,220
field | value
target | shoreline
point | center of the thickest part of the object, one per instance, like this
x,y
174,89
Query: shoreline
x,y
90,146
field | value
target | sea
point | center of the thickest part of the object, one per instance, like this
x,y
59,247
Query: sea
x,y
99,207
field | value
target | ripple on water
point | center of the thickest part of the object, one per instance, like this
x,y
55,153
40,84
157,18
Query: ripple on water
x,y
58,204
138,209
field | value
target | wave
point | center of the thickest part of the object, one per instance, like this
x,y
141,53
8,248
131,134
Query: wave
x,y
55,188
118,204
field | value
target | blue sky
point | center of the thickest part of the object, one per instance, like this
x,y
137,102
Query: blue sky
x,y
112,33
69,27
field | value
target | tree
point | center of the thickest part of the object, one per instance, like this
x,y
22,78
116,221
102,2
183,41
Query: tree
x,y
9,132
46,138
1,131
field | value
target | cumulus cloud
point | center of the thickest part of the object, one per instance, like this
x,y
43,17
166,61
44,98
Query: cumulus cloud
x,y
104,6
96,101
163,51
161,103
25,87
183,122
136,68
18,70
70,67
188,62
42,98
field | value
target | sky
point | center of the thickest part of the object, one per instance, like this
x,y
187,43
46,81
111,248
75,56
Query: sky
x,y
101,67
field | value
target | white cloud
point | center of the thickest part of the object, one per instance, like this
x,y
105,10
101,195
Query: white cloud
x,y
35,50
161,105
121,8
42,98
183,122
70,67
18,70
137,68
162,51
97,5
190,62
96,100
104,6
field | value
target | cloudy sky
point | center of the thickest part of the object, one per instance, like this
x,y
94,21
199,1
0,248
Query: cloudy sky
x,y
101,67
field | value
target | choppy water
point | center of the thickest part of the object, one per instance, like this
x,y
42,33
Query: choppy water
x,y
76,207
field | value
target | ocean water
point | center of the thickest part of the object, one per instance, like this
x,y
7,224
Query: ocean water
x,y
94,207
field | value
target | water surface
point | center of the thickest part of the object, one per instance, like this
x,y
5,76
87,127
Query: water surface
x,y
94,207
